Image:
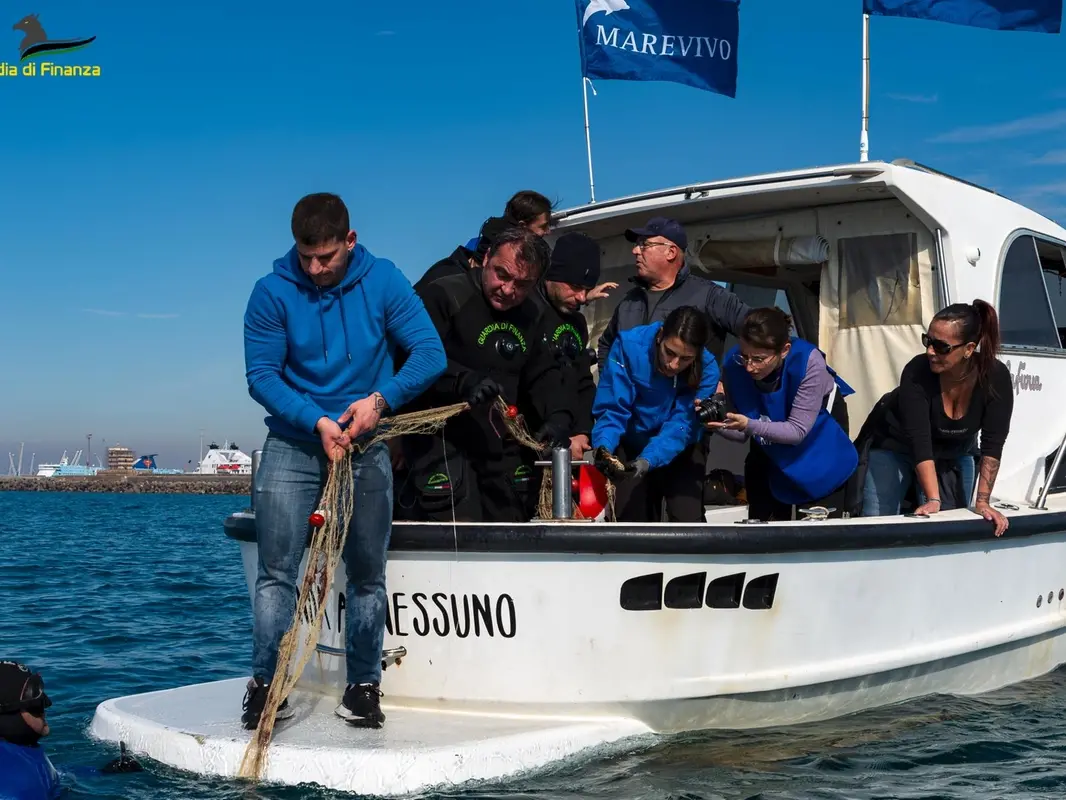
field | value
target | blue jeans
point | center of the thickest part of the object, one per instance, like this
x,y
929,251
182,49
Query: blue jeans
x,y
288,488
889,476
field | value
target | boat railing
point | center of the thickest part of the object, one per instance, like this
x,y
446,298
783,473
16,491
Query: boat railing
x,y
1049,477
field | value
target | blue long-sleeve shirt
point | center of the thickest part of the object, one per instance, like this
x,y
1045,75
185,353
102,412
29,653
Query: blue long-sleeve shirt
x,y
310,353
653,415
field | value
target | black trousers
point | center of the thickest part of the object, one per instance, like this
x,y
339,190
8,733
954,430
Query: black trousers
x,y
679,484
445,481
762,504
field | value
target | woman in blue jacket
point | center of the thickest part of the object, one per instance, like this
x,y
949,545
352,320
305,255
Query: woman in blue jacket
x,y
792,409
645,414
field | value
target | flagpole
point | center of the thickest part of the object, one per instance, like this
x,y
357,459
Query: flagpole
x,y
588,138
864,138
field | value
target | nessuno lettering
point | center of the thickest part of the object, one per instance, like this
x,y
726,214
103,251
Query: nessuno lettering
x,y
667,44
441,614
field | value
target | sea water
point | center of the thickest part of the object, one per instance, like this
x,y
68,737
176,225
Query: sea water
x,y
110,595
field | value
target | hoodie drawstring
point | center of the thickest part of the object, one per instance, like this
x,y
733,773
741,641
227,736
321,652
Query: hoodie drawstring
x,y
322,327
344,326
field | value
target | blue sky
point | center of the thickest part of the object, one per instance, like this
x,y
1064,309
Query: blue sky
x,y
138,208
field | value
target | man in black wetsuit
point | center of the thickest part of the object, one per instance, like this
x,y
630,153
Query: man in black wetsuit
x,y
574,271
493,335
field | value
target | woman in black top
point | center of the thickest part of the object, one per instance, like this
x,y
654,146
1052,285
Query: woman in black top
x,y
927,428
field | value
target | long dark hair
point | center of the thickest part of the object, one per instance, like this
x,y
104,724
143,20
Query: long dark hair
x,y
978,323
691,326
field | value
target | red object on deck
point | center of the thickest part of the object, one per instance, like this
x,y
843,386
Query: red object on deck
x,y
592,492
317,520
512,412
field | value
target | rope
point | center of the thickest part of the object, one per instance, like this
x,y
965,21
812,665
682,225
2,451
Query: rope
x,y
327,543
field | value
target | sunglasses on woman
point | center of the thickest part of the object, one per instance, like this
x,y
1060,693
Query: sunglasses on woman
x,y
32,699
940,347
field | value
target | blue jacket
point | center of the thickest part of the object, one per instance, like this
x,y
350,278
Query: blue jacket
x,y
26,773
311,353
654,416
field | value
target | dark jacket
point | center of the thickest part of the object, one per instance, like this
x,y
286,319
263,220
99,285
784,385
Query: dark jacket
x,y
567,336
725,309
508,347
458,263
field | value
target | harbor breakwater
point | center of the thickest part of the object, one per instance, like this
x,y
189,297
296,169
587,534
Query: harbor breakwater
x,y
142,484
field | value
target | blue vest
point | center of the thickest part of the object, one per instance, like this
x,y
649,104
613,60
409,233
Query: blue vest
x,y
824,459
26,774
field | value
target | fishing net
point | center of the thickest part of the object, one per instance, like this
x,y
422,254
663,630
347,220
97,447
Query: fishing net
x,y
327,543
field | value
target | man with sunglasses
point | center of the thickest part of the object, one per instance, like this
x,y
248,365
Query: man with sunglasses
x,y
25,771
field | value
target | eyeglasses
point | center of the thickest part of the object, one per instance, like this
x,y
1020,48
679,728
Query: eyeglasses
x,y
646,244
32,698
941,348
755,361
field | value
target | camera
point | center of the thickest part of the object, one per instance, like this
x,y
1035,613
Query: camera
x,y
712,409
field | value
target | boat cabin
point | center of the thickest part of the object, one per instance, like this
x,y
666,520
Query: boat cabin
x,y
862,256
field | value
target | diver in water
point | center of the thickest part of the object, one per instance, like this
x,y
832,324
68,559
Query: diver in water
x,y
26,773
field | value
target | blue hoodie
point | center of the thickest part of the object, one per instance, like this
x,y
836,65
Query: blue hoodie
x,y
635,404
310,352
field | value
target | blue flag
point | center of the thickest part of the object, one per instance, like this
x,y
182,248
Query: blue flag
x,y
692,43
1041,16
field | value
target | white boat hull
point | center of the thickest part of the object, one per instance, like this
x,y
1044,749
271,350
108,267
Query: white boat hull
x,y
845,630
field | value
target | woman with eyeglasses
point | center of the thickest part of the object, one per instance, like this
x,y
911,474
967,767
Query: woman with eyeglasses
x,y
925,431
645,417
791,408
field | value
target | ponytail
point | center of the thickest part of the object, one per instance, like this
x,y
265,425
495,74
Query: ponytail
x,y
978,323
987,341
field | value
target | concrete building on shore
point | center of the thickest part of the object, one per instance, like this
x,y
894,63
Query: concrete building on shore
x,y
120,458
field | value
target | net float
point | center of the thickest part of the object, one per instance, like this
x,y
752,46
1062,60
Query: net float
x,y
512,412
317,519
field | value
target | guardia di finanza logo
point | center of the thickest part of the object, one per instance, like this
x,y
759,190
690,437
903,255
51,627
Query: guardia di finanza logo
x,y
36,44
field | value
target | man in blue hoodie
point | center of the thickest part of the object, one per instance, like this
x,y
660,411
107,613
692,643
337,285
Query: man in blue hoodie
x,y
320,332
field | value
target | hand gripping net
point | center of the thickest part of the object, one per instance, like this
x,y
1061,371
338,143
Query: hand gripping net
x,y
324,554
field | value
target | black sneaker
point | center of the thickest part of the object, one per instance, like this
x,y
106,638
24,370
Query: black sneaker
x,y
255,701
361,706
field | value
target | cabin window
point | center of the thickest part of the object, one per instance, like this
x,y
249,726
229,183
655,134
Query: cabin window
x,y
879,280
1025,316
1053,264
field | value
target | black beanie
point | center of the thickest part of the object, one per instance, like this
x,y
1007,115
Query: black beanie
x,y
575,260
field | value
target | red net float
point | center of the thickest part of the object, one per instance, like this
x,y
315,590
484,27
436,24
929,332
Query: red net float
x,y
512,412
317,519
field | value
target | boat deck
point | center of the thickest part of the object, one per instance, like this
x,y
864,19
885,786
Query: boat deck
x,y
197,728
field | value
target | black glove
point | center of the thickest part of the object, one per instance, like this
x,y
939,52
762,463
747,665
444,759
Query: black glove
x,y
637,468
553,434
480,390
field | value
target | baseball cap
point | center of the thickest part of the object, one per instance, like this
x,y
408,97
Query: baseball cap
x,y
575,260
660,226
